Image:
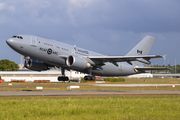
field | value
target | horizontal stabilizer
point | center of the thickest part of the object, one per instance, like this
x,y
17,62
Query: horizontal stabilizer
x,y
152,68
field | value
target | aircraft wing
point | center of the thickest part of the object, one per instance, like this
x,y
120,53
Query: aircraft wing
x,y
113,59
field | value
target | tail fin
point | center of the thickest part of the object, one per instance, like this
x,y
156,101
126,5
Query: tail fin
x,y
143,47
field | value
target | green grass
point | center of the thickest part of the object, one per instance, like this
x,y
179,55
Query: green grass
x,y
115,107
88,86
149,80
91,108
115,79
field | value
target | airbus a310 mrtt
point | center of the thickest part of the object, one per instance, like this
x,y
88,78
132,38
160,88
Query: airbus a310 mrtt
x,y
41,54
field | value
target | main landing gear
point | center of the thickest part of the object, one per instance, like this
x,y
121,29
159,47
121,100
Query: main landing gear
x,y
89,78
63,77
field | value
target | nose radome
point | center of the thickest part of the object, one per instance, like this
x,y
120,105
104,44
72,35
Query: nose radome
x,y
9,41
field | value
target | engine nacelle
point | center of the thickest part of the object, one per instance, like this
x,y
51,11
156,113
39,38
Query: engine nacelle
x,y
35,65
77,62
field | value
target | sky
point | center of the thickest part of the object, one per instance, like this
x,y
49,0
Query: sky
x,y
109,27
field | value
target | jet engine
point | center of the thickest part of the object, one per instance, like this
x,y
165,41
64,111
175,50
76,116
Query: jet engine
x,y
77,62
35,65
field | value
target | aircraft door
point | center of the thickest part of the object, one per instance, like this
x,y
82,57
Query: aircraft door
x,y
33,41
121,66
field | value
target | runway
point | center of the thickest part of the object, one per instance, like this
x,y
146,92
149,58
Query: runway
x,y
79,92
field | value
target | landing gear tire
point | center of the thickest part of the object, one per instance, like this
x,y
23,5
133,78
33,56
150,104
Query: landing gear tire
x,y
63,78
85,78
93,77
89,78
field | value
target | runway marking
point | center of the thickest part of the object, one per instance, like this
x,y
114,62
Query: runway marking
x,y
134,85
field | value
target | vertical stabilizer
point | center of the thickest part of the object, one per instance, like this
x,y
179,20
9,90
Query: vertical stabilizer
x,y
143,47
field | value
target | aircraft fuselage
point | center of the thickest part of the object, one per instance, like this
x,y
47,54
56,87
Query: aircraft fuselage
x,y
55,53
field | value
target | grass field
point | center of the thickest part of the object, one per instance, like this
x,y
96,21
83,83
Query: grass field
x,y
109,107
156,107
87,86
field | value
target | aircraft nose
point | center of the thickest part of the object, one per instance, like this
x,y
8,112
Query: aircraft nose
x,y
12,43
9,41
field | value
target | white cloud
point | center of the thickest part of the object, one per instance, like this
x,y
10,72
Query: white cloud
x,y
114,24
74,7
4,7
81,3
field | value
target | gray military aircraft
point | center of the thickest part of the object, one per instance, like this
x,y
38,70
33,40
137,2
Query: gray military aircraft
x,y
42,53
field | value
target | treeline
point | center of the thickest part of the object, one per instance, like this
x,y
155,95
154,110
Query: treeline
x,y
174,69
6,65
107,79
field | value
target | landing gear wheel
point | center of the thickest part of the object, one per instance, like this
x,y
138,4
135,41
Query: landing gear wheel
x,y
89,78
93,78
85,78
63,78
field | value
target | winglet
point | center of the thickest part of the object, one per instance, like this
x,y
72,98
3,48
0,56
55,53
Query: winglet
x,y
164,56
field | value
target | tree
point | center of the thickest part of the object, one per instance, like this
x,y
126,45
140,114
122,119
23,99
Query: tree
x,y
6,65
172,71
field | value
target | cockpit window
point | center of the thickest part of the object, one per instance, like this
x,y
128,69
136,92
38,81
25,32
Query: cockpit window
x,y
19,37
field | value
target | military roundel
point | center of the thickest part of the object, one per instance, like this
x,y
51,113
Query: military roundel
x,y
49,51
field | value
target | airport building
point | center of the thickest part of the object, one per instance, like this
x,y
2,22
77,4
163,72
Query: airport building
x,y
166,75
141,75
31,76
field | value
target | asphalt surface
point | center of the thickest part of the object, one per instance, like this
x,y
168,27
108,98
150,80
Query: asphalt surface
x,y
79,92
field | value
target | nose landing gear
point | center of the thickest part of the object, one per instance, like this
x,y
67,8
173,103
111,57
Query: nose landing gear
x,y
63,77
